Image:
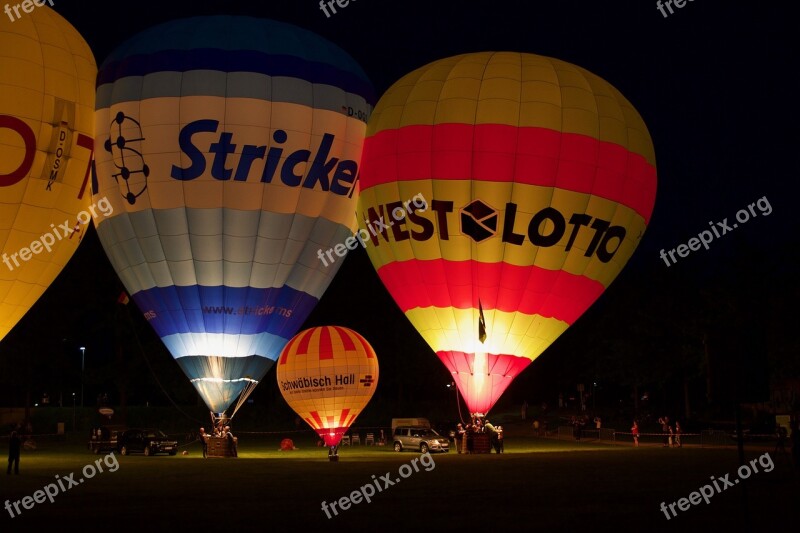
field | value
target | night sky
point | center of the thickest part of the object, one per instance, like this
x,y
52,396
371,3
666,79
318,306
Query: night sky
x,y
715,83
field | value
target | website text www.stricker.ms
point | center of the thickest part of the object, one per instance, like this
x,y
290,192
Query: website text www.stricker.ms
x,y
259,310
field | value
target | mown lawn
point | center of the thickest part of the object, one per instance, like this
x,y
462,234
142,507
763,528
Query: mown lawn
x,y
538,485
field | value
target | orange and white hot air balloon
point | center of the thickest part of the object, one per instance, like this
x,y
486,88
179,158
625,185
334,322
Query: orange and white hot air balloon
x,y
539,179
327,375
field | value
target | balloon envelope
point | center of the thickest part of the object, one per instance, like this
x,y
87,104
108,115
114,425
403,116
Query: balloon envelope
x,y
229,148
47,74
539,179
328,375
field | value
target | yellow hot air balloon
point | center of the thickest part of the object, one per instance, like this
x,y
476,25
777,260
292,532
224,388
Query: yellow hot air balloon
x,y
47,77
539,179
328,375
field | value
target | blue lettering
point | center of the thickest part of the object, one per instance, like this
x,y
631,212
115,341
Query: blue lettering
x,y
287,172
319,168
198,165
342,183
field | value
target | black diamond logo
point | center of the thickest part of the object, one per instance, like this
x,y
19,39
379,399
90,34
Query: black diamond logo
x,y
479,221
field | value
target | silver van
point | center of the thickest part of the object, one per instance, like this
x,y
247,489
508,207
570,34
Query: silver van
x,y
419,438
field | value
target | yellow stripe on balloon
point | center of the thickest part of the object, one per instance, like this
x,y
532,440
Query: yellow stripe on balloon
x,y
530,199
507,333
517,90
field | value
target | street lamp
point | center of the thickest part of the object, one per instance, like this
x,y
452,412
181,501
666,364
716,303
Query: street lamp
x,y
83,357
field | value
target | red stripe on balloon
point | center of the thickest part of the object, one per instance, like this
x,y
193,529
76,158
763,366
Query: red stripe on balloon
x,y
343,418
347,341
288,349
304,342
502,153
317,419
501,286
325,346
501,371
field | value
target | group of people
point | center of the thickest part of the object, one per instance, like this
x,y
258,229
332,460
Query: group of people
x,y
465,435
578,423
672,434
220,431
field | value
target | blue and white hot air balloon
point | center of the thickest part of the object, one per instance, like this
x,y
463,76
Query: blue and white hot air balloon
x,y
229,149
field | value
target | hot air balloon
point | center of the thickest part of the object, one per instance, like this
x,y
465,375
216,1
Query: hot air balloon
x,y
328,375
47,74
540,180
229,148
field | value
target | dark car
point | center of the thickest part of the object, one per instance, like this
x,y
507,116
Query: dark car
x,y
147,441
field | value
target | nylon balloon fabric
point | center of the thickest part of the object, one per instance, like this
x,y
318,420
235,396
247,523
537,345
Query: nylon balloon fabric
x,y
229,147
47,74
540,180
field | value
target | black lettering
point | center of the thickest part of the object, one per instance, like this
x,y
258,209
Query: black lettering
x,y
603,253
442,208
560,225
424,223
508,226
600,226
577,220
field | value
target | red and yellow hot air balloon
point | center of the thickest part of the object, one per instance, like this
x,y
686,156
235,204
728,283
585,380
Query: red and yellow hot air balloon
x,y
327,375
539,179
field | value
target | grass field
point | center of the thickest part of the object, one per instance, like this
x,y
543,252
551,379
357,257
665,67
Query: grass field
x,y
537,485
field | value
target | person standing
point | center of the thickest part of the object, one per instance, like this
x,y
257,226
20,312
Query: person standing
x,y
14,445
493,435
460,436
524,411
635,433
500,439
665,430
231,442
203,442
678,432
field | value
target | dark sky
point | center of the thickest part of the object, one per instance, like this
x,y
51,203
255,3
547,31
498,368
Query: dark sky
x,y
715,83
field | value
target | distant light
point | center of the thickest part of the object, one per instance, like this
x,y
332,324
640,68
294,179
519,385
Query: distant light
x,y
83,347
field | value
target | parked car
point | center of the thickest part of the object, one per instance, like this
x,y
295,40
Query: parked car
x,y
419,438
147,441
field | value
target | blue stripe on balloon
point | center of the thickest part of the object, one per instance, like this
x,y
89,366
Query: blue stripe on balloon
x,y
236,61
231,310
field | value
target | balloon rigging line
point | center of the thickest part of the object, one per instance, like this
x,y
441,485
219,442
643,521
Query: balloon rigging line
x,y
141,349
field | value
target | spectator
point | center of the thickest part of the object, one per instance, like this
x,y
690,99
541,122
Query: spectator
x,y
635,433
678,432
524,411
493,436
536,428
665,430
500,439
203,442
460,435
597,422
780,444
231,442
14,445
